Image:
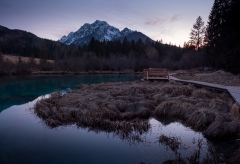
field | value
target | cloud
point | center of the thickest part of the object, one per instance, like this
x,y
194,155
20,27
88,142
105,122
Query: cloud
x,y
176,18
159,21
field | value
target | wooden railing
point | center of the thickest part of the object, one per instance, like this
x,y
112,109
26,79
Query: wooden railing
x,y
156,74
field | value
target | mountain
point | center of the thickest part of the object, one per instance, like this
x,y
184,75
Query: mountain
x,y
135,36
22,43
101,31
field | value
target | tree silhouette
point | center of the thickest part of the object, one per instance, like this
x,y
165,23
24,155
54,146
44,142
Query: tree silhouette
x,y
223,35
1,56
197,34
126,48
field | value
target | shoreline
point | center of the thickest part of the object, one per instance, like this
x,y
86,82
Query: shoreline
x,y
216,76
83,73
73,73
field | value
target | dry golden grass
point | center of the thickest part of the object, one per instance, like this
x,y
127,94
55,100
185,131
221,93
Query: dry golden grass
x,y
125,107
201,119
202,94
15,59
222,129
235,110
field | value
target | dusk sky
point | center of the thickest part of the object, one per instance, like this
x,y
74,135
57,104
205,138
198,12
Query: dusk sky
x,y
169,20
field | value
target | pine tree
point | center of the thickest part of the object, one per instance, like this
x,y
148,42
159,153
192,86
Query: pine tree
x,y
215,31
223,35
232,37
197,34
139,48
126,48
92,44
1,56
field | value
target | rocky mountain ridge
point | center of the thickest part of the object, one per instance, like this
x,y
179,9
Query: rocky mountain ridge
x,y
101,31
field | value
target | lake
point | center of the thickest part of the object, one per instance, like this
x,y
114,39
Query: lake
x,y
24,138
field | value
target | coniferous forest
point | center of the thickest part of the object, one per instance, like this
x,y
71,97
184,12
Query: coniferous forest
x,y
215,45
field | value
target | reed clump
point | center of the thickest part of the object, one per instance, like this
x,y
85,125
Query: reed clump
x,y
169,141
235,111
194,157
222,129
173,109
201,119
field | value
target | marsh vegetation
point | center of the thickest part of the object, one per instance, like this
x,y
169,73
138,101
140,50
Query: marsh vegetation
x,y
125,107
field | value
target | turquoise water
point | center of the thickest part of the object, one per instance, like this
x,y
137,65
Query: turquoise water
x,y
25,139
19,90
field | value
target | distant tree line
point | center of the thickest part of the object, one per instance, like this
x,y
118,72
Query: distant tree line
x,y
126,55
113,56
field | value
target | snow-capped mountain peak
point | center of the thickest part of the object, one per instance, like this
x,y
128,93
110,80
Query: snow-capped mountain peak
x,y
100,30
100,23
125,32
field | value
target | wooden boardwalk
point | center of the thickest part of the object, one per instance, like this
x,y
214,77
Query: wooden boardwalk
x,y
233,90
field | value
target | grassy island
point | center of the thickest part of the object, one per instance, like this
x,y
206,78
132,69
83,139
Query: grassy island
x,y
125,107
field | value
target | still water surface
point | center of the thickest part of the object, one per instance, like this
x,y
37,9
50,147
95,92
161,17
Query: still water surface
x,y
25,139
